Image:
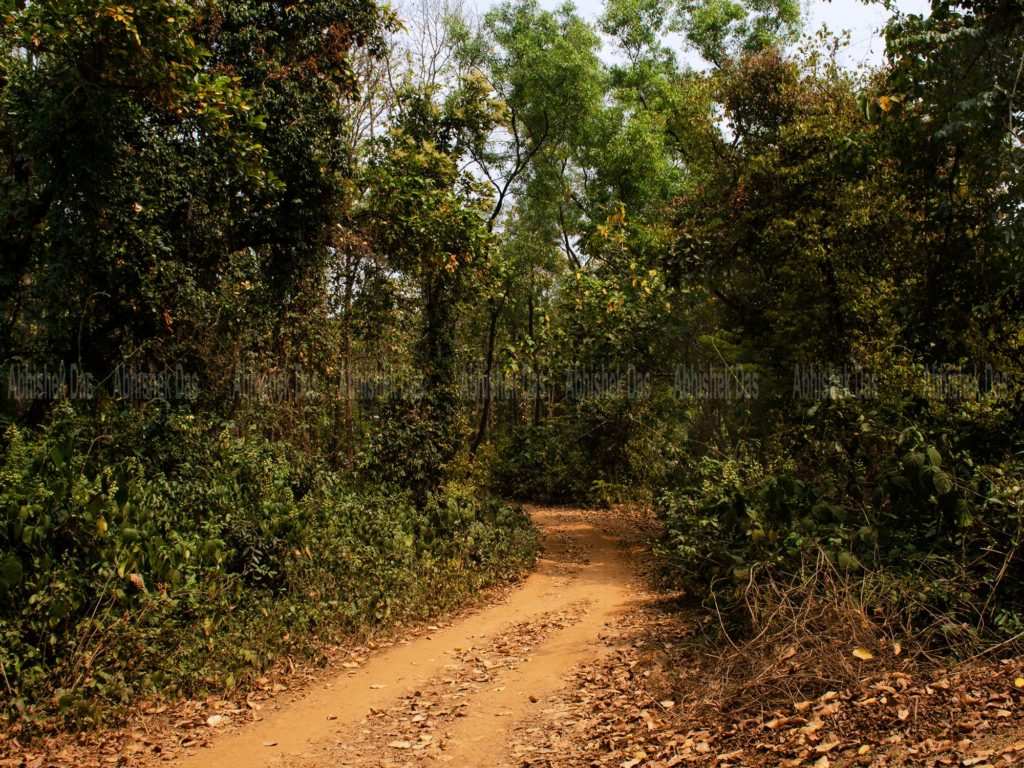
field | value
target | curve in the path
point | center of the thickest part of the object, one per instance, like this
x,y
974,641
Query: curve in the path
x,y
454,695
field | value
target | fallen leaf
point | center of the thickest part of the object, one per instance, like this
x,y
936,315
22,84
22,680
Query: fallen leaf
x,y
863,654
981,757
779,722
812,727
827,710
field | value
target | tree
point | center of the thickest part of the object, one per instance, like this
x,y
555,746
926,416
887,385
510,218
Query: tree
x,y
427,218
159,157
949,104
543,67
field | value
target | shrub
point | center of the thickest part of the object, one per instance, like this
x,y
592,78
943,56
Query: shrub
x,y
115,547
909,501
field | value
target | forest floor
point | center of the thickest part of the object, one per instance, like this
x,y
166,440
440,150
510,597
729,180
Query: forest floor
x,y
583,664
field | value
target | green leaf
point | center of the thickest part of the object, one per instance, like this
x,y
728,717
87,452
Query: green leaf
x,y
57,456
11,572
848,561
943,483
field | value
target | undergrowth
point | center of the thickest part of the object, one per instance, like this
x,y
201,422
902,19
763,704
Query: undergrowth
x,y
164,556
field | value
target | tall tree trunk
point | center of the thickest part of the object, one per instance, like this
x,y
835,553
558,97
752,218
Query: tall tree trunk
x,y
347,351
485,409
533,360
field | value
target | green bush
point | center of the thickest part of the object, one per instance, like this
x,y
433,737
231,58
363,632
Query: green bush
x,y
853,481
148,552
609,448
540,462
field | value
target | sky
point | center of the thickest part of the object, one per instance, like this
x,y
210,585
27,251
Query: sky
x,y
864,22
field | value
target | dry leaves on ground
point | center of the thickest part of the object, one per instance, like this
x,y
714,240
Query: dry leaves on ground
x,y
635,709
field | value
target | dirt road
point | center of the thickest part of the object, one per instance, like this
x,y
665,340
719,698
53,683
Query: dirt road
x,y
580,666
460,694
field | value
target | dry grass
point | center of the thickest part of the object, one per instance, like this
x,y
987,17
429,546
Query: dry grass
x,y
804,634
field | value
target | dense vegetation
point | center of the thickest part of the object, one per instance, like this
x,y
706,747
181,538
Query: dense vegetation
x,y
196,236
292,292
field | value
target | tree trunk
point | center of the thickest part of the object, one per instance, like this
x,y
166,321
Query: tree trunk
x,y
485,409
347,351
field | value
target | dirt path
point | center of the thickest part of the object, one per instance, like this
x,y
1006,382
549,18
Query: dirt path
x,y
581,666
457,695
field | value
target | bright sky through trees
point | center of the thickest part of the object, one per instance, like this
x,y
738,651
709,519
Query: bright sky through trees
x,y
863,20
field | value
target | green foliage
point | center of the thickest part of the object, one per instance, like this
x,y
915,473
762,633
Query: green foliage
x,y
255,188
608,448
775,214
720,28
539,463
717,29
150,152
909,502
108,567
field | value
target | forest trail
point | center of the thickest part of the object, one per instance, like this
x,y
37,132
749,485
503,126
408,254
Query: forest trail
x,y
458,695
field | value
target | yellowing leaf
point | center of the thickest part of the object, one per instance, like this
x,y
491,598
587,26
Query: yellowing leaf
x,y
863,654
1019,682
